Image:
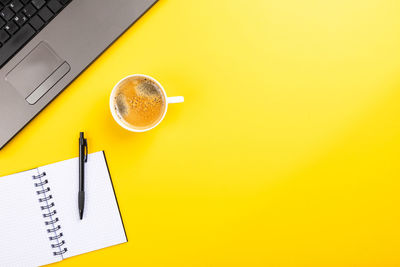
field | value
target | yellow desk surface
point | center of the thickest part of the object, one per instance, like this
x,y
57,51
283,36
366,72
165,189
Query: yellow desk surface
x,y
285,153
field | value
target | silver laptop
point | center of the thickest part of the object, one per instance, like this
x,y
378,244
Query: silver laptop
x,y
46,44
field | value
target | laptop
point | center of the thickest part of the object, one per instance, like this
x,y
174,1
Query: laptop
x,y
46,44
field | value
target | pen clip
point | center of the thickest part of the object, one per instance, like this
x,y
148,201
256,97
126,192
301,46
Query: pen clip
x,y
86,148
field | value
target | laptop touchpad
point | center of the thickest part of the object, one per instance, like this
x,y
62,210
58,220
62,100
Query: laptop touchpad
x,y
37,73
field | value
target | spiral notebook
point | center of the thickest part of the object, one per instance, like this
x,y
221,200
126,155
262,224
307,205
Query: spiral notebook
x,y
39,219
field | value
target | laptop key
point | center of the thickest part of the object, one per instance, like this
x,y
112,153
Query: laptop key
x,y
36,22
20,19
38,3
45,14
25,1
6,13
3,36
11,27
54,6
15,43
2,23
29,10
16,6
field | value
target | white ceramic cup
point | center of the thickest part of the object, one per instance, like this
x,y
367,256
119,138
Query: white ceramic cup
x,y
168,100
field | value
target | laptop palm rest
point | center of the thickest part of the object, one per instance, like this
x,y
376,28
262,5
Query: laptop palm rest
x,y
37,73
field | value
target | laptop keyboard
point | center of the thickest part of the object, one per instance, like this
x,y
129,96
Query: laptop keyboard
x,y
21,20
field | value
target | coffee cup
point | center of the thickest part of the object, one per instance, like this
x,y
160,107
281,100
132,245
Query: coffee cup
x,y
138,103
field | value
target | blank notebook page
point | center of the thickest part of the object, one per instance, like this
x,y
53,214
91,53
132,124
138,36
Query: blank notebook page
x,y
23,237
102,224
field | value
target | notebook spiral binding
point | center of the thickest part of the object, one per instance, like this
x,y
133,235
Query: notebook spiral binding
x,y
48,207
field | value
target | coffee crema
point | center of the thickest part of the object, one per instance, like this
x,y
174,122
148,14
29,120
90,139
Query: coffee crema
x,y
139,102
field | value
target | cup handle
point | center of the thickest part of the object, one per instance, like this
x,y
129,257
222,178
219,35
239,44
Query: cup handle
x,y
175,99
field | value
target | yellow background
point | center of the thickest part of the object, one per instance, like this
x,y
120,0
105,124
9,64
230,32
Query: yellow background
x,y
285,153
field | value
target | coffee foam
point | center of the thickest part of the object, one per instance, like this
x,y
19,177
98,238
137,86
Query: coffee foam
x,y
122,105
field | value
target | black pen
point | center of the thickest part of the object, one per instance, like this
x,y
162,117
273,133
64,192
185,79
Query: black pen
x,y
83,153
